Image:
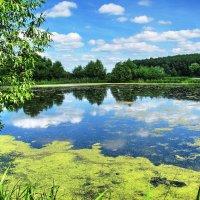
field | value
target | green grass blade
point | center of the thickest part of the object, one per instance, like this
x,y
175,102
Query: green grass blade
x,y
100,197
4,176
148,192
198,195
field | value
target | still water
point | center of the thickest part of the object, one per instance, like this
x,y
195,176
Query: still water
x,y
158,123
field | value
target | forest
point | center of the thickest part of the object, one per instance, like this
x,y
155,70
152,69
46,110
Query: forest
x,y
147,69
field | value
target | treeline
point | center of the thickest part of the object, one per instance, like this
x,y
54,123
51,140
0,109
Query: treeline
x,y
147,69
45,69
173,65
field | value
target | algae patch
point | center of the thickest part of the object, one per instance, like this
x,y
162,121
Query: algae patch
x,y
83,174
163,129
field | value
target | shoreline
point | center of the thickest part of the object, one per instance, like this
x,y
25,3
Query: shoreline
x,y
101,84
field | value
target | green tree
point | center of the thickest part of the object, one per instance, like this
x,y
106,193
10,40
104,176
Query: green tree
x,y
78,72
121,73
132,66
173,65
57,70
20,39
42,69
150,72
195,69
95,70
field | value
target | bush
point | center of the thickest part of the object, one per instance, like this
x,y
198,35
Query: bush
x,y
121,73
149,72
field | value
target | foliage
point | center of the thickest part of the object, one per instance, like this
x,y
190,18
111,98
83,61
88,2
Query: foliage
x,y
195,69
132,66
20,38
173,65
78,72
121,73
149,72
45,69
95,70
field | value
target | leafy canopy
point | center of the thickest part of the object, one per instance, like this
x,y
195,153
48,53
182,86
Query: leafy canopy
x,y
20,39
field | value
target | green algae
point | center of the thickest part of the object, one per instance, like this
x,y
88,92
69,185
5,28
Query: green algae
x,y
83,174
193,128
196,142
163,129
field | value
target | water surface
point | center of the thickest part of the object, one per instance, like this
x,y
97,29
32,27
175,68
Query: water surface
x,y
158,123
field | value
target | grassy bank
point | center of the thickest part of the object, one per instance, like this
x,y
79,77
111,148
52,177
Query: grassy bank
x,y
182,80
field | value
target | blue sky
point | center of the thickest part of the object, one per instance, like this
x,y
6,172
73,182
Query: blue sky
x,y
116,30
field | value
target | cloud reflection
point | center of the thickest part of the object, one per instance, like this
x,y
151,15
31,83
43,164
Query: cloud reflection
x,y
66,115
148,110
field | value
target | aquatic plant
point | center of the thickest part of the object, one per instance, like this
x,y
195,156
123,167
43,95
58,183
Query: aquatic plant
x,y
85,173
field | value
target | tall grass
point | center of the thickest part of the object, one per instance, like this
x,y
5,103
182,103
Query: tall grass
x,y
198,195
27,192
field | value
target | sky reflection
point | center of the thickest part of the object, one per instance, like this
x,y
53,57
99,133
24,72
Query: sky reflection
x,y
158,123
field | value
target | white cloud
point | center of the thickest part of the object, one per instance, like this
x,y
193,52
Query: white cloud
x,y
67,41
62,9
163,22
76,58
148,28
112,9
122,19
96,42
152,36
130,44
142,19
129,47
144,2
187,47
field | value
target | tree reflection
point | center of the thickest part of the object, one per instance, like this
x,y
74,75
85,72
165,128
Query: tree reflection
x,y
130,93
44,99
93,95
124,95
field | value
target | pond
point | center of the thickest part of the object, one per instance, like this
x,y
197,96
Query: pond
x,y
144,123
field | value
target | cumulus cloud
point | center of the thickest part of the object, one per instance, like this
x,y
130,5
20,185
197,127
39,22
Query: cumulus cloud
x,y
148,28
96,42
122,19
144,2
124,44
111,9
152,36
76,58
142,19
133,46
187,47
62,9
163,22
67,41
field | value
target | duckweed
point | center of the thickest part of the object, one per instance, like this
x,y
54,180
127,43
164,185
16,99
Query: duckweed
x,y
83,174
